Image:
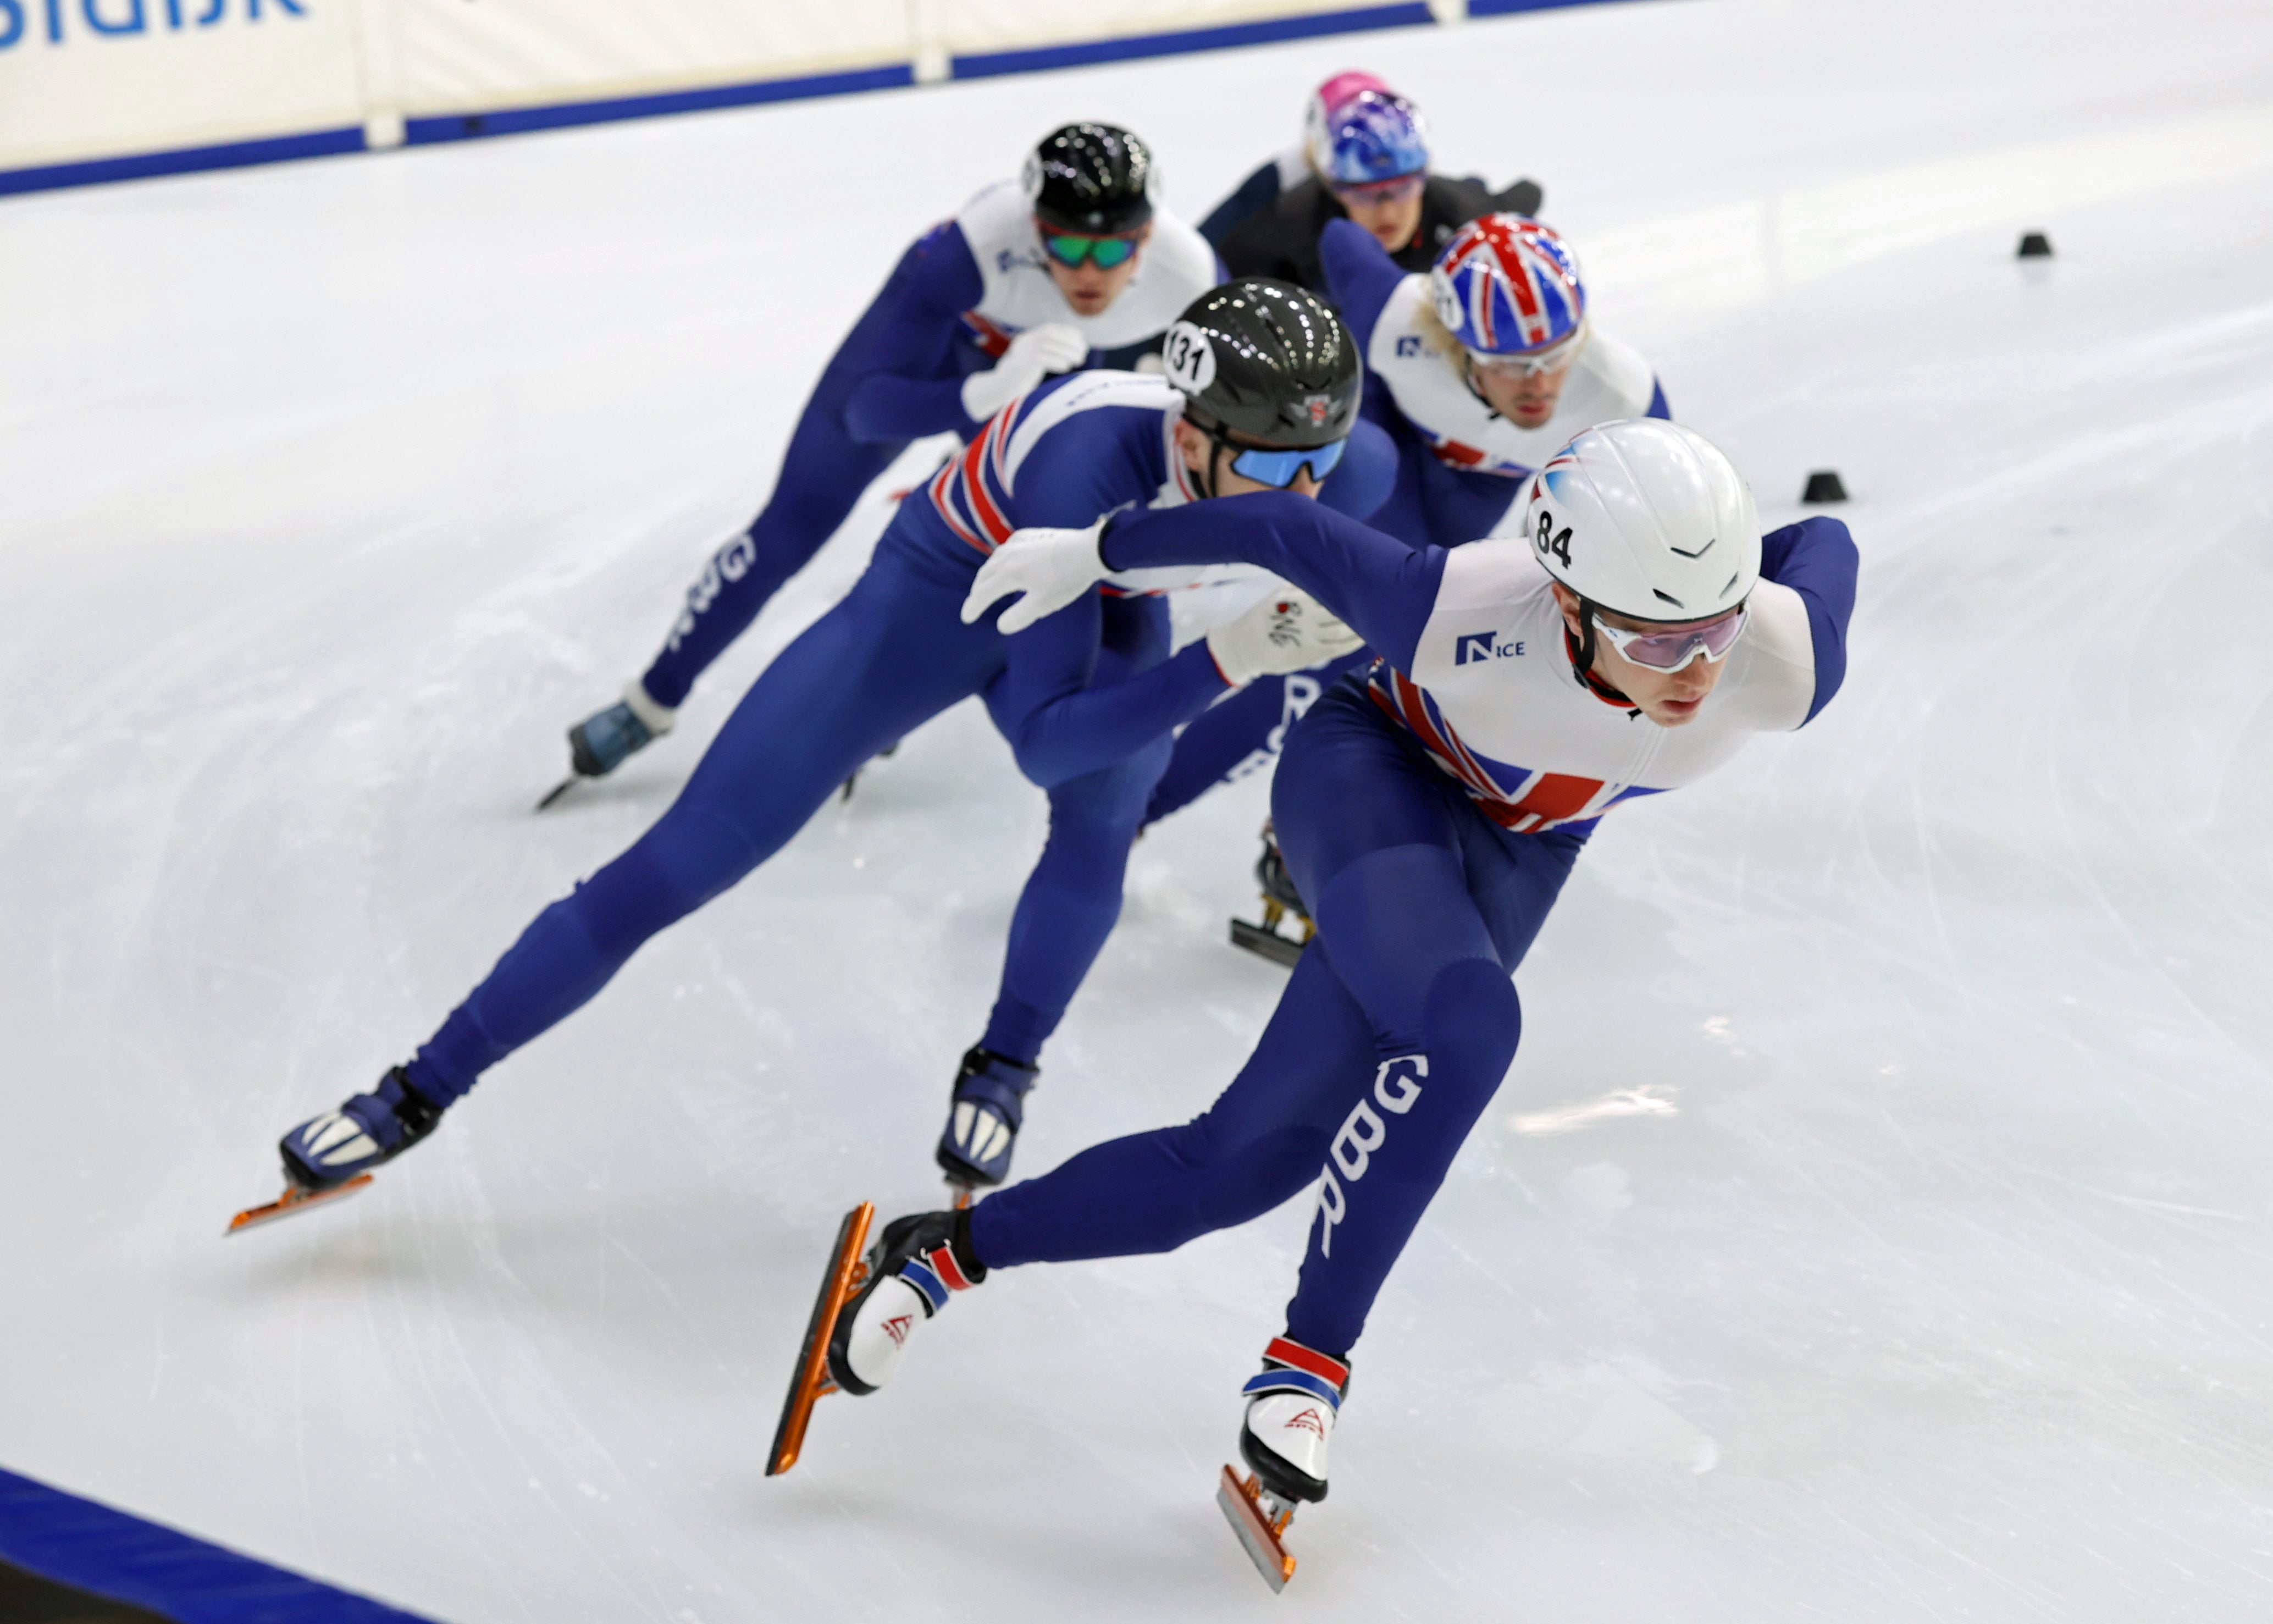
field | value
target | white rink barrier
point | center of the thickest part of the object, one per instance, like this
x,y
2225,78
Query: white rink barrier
x,y
93,90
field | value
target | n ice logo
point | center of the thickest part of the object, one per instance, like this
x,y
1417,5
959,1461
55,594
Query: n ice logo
x,y
1395,1087
1470,647
1408,345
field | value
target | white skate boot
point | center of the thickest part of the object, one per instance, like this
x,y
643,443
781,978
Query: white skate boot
x,y
1291,1408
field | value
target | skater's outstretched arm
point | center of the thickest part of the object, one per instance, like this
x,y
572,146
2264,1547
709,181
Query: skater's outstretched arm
x,y
1816,558
1059,728
913,322
1385,590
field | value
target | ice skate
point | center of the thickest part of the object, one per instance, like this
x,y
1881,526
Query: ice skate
x,y
333,1155
1291,1407
867,1309
809,1382
1282,904
605,739
986,1109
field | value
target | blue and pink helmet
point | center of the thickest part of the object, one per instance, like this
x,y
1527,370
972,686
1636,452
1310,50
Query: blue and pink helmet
x,y
1357,131
1506,285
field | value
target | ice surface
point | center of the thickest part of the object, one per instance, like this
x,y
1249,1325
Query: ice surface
x,y
1900,1247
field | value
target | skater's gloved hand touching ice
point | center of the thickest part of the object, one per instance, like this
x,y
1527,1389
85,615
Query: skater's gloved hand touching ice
x,y
1052,568
1287,631
1032,356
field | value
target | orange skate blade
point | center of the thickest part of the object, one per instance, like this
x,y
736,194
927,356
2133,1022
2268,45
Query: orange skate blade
x,y
294,1200
1258,1531
809,1383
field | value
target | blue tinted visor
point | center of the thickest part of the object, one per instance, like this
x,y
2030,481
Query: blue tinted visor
x,y
1280,468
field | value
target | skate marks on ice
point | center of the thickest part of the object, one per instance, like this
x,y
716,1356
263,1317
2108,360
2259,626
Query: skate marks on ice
x,y
1629,1416
1691,268
1648,1101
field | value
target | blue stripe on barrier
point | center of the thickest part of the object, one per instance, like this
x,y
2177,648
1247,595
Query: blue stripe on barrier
x,y
986,64
78,1543
314,144
428,129
508,121
1508,8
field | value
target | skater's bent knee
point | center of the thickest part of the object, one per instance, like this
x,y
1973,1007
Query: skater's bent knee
x,y
1474,1019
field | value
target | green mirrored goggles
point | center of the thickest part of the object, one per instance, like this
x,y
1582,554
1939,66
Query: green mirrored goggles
x,y
1070,251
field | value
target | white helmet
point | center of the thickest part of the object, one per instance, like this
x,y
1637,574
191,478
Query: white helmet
x,y
1646,519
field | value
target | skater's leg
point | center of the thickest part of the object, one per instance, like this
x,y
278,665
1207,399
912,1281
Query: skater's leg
x,y
893,654
1423,910
1067,909
821,478
1265,1139
1070,902
1257,1146
1242,734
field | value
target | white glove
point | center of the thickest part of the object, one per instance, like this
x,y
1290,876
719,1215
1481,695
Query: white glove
x,y
1287,631
1032,356
1052,568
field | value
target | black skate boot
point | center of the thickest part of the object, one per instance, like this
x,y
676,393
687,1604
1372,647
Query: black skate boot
x,y
911,1270
604,740
329,1157
987,1107
1281,902
367,1130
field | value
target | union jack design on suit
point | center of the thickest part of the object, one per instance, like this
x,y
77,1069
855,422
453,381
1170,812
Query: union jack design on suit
x,y
972,493
990,336
1515,798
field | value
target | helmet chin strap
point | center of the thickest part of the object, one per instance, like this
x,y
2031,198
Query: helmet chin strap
x,y
1581,650
1218,443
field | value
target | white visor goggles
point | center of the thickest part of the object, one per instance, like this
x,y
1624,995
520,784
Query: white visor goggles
x,y
1554,359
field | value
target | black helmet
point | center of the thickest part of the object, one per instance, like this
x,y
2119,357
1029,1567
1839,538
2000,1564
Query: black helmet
x,y
1095,179
1266,359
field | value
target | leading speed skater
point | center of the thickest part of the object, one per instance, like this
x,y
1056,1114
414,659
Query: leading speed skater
x,y
1630,640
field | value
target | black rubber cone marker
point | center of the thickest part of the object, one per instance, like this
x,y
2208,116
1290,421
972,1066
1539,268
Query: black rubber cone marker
x,y
2035,246
1824,486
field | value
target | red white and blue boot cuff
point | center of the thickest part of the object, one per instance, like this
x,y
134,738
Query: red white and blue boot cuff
x,y
1292,1406
915,1269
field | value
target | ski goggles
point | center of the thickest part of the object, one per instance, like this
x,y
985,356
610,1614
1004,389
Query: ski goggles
x,y
1394,190
1280,468
1073,250
1554,359
1669,651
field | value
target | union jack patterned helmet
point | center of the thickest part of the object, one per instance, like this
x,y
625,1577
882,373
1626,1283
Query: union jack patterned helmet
x,y
1508,286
